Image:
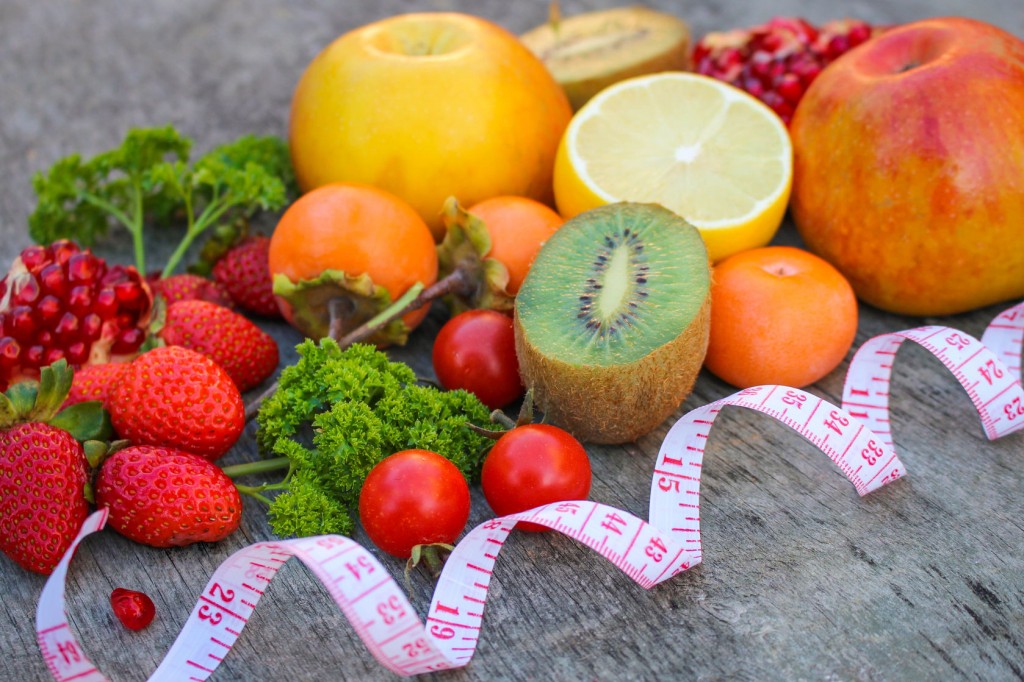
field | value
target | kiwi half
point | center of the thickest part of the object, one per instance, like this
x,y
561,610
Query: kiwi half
x,y
611,322
588,52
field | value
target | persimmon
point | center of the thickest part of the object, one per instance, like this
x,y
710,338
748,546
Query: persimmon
x,y
493,244
356,246
518,227
779,315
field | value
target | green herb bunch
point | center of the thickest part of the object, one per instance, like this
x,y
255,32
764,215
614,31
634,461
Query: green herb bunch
x,y
149,178
337,413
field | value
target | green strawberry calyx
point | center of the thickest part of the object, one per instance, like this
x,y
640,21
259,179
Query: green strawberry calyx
x,y
40,401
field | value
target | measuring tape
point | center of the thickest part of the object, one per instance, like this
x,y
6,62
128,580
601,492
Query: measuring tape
x,y
856,437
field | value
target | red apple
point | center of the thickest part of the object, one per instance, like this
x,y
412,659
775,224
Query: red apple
x,y
909,167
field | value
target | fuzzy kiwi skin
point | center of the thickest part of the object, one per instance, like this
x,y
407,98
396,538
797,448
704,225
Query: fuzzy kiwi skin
x,y
616,404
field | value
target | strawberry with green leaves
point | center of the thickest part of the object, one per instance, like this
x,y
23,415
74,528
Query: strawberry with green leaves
x,y
176,397
247,353
43,468
163,497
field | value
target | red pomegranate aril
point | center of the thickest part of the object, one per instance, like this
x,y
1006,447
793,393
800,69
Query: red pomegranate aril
x,y
129,294
34,257
33,357
128,341
26,291
53,280
790,88
82,268
9,351
80,299
106,304
67,329
45,338
48,311
53,355
63,250
92,326
77,353
21,324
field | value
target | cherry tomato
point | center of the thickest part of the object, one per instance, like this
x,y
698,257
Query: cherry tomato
x,y
476,350
413,497
533,465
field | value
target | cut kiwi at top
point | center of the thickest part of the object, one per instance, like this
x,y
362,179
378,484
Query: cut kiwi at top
x,y
588,52
611,322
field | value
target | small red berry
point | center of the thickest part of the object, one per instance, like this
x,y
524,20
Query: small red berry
x,y
134,609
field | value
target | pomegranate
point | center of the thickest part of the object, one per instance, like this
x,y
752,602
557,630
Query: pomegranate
x,y
60,301
777,61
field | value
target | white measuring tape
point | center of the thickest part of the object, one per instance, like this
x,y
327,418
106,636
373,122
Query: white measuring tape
x,y
856,437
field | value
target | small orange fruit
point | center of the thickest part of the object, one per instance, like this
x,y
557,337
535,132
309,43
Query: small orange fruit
x,y
349,241
779,315
518,228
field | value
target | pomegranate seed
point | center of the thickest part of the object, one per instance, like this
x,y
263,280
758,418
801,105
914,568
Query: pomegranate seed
x,y
33,257
45,338
82,267
26,290
134,609
92,326
106,304
78,353
67,329
128,341
63,250
129,293
33,357
53,355
80,299
9,352
48,311
790,88
53,280
22,324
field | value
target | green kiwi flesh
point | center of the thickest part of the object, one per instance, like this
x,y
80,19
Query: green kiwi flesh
x,y
588,52
611,322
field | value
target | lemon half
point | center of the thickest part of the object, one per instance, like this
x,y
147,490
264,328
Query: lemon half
x,y
707,151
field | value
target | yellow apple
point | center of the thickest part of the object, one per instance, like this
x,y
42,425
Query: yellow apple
x,y
909,167
427,106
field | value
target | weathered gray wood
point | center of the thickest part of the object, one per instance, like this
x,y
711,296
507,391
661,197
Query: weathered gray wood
x,y
802,580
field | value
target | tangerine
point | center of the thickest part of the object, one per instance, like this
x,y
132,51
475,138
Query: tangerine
x,y
779,315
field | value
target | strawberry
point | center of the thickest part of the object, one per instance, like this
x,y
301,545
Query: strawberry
x,y
245,272
188,287
134,609
94,382
247,353
163,497
43,468
178,398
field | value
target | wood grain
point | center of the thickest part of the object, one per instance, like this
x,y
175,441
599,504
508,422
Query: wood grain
x,y
801,579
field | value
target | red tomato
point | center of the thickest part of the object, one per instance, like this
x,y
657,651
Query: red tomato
x,y
476,350
533,465
413,497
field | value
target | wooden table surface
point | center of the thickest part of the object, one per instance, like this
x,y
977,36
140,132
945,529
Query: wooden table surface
x,y
801,579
